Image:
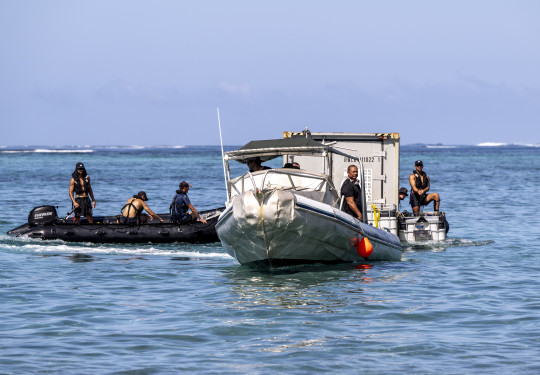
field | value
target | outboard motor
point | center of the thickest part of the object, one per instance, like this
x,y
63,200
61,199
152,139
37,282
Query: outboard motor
x,y
42,215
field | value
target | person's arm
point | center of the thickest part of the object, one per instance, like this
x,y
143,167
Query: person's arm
x,y
412,181
71,188
150,212
91,193
354,208
195,213
347,191
424,191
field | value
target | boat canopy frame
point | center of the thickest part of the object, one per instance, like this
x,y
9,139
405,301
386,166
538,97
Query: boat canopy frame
x,y
273,148
301,145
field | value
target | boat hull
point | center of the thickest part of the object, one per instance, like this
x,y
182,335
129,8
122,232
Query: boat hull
x,y
278,228
106,230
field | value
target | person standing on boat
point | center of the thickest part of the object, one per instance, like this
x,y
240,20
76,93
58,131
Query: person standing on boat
x,y
80,192
419,181
352,193
132,211
181,205
254,164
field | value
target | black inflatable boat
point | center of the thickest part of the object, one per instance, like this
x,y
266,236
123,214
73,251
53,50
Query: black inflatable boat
x,y
44,223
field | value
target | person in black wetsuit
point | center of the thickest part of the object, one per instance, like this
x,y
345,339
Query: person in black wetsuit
x,y
419,181
132,211
352,193
80,192
181,204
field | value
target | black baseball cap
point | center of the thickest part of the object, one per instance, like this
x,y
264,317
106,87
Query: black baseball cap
x,y
184,184
403,191
418,163
79,166
142,194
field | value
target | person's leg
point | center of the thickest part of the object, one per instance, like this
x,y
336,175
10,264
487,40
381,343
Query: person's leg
x,y
77,213
87,210
434,197
415,205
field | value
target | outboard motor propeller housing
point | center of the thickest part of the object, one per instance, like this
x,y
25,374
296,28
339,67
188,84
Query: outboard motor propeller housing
x,y
42,215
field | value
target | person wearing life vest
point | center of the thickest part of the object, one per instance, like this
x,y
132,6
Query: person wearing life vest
x,y
132,211
419,189
80,192
181,204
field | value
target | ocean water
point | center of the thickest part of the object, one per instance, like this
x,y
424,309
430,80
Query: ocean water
x,y
469,305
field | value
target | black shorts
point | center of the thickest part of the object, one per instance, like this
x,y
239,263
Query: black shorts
x,y
85,207
417,200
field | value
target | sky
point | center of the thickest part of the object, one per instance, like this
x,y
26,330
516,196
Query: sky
x,y
130,72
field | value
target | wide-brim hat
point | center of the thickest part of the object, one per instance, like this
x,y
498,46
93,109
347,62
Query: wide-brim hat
x,y
403,191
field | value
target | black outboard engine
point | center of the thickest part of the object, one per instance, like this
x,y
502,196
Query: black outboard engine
x,y
42,215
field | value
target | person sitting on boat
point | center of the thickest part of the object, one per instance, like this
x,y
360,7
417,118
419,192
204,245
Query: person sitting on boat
x,y
132,211
254,164
181,205
295,165
352,193
79,191
419,181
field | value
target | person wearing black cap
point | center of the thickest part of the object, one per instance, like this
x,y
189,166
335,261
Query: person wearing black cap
x,y
419,189
402,193
181,204
80,192
132,211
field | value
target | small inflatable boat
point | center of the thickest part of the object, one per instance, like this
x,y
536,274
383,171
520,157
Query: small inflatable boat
x,y
44,223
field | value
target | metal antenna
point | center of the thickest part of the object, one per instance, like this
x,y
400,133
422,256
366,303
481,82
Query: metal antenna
x,y
222,155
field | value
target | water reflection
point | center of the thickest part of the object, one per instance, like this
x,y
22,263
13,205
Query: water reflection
x,y
314,288
440,246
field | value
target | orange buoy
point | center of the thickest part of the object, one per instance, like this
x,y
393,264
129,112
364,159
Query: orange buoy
x,y
364,248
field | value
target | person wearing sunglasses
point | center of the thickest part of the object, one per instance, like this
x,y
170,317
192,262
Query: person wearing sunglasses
x,y
419,181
